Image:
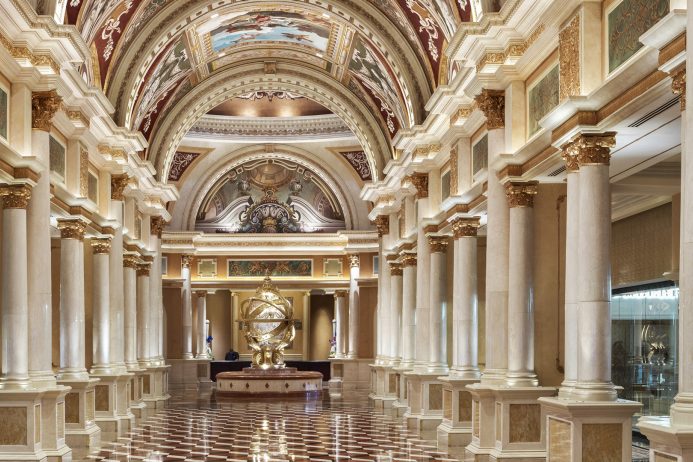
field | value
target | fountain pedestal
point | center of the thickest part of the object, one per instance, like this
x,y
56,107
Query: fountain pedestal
x,y
253,381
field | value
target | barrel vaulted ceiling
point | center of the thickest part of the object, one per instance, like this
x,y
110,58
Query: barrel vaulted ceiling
x,y
165,63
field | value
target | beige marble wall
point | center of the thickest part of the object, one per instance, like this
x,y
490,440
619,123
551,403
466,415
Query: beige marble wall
x,y
13,425
525,423
602,442
72,408
559,441
435,397
464,406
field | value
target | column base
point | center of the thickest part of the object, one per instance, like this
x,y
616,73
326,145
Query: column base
x,y
401,404
349,374
669,442
425,399
189,374
386,389
111,405
589,430
520,423
483,423
155,388
455,431
53,424
82,434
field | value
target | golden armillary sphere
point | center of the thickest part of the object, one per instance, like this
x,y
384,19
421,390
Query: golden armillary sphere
x,y
268,325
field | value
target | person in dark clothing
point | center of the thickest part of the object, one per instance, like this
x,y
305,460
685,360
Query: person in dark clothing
x,y
231,355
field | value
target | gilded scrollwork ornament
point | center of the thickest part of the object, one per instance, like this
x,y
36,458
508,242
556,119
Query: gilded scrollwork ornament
x,y
340,293
118,184
130,261
678,86
354,260
382,223
408,259
44,105
156,226
143,269
186,260
492,104
420,182
101,245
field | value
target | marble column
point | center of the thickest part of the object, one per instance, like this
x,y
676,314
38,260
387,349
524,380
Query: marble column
x,y
130,303
143,315
15,289
382,223
438,305
354,264
201,320
72,319
340,308
465,303
101,249
157,224
117,307
572,252
408,310
492,104
395,317
235,332
423,274
521,286
186,294
44,106
306,325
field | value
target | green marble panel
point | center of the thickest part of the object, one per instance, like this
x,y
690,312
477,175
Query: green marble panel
x,y
627,22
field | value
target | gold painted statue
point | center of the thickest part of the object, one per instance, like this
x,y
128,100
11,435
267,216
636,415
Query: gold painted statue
x,y
268,326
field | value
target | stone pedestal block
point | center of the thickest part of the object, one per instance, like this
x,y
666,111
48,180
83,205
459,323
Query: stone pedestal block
x,y
455,431
401,405
155,387
137,405
668,442
349,374
588,431
425,399
112,405
483,423
21,425
82,434
53,424
385,386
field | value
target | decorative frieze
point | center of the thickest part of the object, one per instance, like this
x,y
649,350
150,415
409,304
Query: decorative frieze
x,y
44,105
438,244
396,269
492,104
15,196
354,260
118,184
101,245
465,227
454,171
591,148
678,85
382,223
521,194
71,229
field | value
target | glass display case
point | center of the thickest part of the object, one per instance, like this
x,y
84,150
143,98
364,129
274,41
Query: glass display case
x,y
644,347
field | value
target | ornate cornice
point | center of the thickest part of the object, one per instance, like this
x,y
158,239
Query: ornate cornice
x,y
678,85
396,269
15,196
101,245
465,227
438,244
44,105
201,293
118,184
186,260
591,148
71,229
492,104
521,194
285,127
354,260
382,223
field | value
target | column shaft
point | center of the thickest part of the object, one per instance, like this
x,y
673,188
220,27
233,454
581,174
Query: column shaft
x,y
186,294
520,287
422,315
101,315
340,297
572,253
143,315
72,319
438,305
465,315
201,321
408,310
130,304
353,306
395,311
15,296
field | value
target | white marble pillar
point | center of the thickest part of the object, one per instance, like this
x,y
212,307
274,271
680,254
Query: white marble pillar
x,y
201,321
354,271
143,315
186,294
233,299
15,289
101,316
520,285
492,103
117,307
396,273
44,106
157,306
340,309
572,252
438,357
72,318
382,223
306,325
594,268
465,301
422,332
130,315
408,310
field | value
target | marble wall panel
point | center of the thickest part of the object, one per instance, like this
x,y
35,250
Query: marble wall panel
x,y
541,99
627,22
60,419
475,421
499,421
525,423
89,404
447,404
72,408
602,442
37,423
435,397
464,406
146,384
392,384
101,398
13,425
560,441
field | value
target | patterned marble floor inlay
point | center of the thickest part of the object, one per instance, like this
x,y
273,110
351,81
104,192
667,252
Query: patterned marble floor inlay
x,y
195,428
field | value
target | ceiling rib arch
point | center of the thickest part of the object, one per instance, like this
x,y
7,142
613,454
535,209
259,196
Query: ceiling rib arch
x,y
237,80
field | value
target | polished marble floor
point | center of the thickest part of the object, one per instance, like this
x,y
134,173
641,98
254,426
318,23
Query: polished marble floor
x,y
200,428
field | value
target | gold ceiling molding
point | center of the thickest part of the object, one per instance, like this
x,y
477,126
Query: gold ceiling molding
x,y
515,49
678,85
569,59
510,171
268,244
425,151
672,49
75,115
19,173
491,57
115,153
631,94
37,60
462,113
